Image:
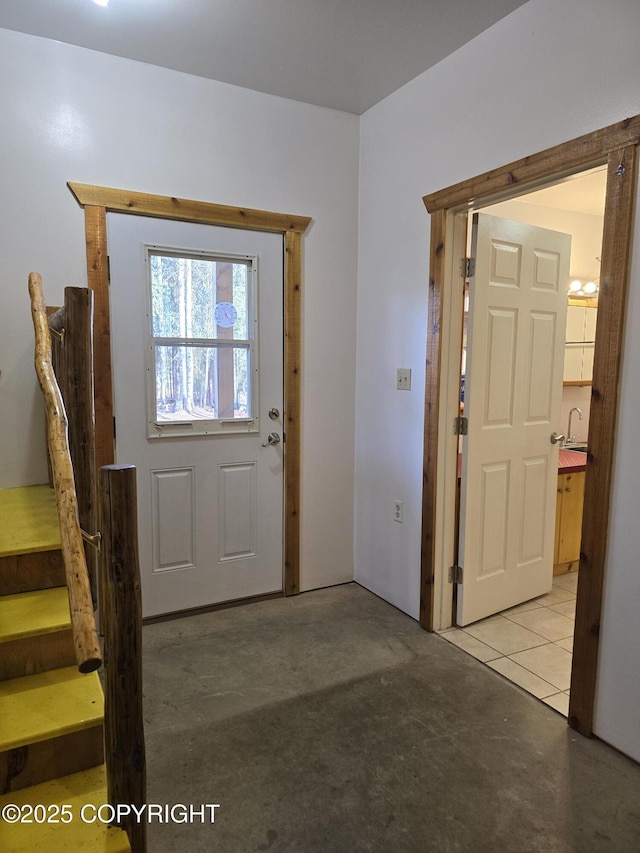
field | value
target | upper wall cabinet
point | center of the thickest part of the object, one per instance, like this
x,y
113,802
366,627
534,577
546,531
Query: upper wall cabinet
x,y
580,344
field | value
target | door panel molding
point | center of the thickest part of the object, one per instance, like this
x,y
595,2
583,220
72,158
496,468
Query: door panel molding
x,y
97,201
173,508
616,146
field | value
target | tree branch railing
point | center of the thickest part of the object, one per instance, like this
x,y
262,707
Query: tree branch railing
x,y
85,634
65,371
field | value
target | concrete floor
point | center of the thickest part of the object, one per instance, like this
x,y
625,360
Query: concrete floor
x,y
331,722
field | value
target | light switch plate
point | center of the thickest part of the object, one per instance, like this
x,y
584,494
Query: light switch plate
x,y
403,381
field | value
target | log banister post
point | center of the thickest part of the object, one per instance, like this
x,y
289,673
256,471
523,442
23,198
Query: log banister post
x,y
121,622
77,392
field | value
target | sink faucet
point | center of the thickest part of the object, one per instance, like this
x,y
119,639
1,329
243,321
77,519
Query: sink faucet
x,y
571,438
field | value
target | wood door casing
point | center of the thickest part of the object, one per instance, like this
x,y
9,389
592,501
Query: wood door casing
x,y
96,201
615,145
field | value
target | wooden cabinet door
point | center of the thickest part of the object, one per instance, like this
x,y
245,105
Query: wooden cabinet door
x,y
570,525
556,547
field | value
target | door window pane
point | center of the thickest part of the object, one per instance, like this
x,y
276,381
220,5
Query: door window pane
x,y
202,342
201,383
199,297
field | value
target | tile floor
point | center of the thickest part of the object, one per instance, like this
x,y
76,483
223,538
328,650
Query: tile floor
x,y
530,644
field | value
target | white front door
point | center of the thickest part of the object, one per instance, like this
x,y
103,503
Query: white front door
x,y
513,395
197,353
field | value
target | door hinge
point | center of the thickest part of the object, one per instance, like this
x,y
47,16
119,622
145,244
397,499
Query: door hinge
x,y
455,574
467,267
460,426
108,269
114,427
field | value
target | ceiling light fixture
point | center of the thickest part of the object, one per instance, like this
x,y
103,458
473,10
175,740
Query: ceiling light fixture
x,y
586,290
101,2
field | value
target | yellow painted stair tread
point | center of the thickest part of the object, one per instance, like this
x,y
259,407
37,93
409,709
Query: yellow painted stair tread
x,y
50,704
28,520
88,788
30,613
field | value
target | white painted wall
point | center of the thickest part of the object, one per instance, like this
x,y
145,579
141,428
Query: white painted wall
x,y
72,114
535,79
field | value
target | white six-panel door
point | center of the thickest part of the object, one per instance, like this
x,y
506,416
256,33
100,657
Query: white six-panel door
x,y
210,505
513,394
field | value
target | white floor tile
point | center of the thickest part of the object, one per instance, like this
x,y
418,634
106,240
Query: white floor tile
x,y
565,608
540,667
470,645
504,635
559,701
549,662
568,581
543,621
522,608
557,595
522,677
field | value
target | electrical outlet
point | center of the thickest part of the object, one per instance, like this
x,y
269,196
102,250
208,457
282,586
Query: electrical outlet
x,y
397,512
403,379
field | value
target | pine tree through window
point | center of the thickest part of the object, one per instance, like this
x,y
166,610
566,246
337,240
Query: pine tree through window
x,y
203,363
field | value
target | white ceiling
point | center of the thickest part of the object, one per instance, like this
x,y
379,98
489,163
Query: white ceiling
x,y
583,193
343,54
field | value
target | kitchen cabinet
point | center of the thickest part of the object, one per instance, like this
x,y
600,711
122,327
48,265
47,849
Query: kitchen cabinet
x,y
580,344
568,522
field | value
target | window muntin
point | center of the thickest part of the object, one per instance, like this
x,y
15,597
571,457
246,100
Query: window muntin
x,y
203,348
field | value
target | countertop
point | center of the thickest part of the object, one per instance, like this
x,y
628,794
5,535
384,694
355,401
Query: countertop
x,y
571,461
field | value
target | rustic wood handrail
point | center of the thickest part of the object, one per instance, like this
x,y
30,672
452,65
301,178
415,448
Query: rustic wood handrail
x,y
85,635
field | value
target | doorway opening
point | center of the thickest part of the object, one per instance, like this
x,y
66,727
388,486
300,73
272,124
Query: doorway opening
x,y
531,643
615,146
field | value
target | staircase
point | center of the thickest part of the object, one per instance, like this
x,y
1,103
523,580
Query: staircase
x,y
51,716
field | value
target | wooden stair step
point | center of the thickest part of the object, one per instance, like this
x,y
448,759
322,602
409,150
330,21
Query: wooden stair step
x,y
30,555
27,572
35,632
76,790
28,520
28,614
48,705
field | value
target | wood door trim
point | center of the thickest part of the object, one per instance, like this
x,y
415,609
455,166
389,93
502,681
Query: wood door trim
x,y
186,210
612,301
95,223
522,175
97,201
616,146
429,476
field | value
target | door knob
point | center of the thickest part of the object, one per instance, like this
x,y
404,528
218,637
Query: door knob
x,y
556,439
272,438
